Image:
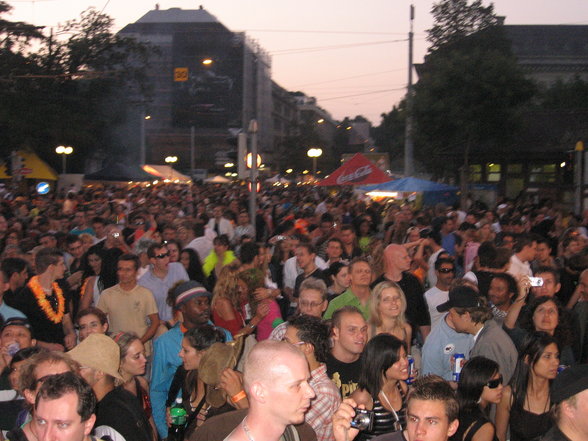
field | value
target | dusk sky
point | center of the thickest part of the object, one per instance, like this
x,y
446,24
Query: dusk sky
x,y
351,55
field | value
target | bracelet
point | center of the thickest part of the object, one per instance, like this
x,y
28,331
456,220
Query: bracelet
x,y
238,396
251,326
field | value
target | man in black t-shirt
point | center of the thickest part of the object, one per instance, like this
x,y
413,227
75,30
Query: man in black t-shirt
x,y
45,299
349,338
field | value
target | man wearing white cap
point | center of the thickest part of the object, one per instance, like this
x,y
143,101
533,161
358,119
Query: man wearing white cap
x,y
118,413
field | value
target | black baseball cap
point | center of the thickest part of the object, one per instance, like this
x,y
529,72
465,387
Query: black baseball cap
x,y
569,382
461,297
17,321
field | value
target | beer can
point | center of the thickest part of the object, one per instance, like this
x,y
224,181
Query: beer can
x,y
459,362
411,370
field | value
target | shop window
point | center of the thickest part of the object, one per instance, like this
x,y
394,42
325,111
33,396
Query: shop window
x,y
493,172
543,173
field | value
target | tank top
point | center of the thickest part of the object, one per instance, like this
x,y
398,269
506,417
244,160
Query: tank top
x,y
384,420
527,426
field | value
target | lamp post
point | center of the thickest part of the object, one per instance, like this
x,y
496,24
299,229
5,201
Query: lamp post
x,y
63,151
314,153
171,160
143,146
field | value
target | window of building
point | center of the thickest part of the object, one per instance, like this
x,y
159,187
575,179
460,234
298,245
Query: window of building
x,y
493,172
543,173
475,173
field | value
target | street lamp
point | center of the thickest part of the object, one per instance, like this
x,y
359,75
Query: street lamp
x,y
314,153
63,151
171,160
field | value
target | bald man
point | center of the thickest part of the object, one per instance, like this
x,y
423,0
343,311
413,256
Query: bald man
x,y
275,379
396,264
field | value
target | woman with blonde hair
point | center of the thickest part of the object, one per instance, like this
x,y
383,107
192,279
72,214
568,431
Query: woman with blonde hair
x,y
387,312
133,364
228,301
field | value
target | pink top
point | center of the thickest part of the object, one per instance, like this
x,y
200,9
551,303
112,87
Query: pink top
x,y
269,322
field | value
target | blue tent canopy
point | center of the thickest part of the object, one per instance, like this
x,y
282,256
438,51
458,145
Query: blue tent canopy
x,y
410,184
433,192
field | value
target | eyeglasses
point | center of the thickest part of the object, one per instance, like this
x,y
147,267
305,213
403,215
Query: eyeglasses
x,y
446,270
310,304
162,255
493,384
295,344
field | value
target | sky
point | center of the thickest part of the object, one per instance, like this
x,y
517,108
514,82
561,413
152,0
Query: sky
x,y
351,55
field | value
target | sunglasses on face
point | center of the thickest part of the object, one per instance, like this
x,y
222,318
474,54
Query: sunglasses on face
x,y
162,255
493,384
446,270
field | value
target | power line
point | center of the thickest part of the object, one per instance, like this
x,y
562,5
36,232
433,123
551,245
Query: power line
x,y
340,46
360,94
349,78
300,31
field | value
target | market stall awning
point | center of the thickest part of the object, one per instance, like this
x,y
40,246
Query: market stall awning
x,y
357,171
166,172
410,184
33,168
120,173
217,180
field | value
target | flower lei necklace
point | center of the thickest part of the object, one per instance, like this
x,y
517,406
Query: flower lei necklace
x,y
44,304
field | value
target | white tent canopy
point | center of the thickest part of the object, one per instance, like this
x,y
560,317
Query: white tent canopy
x,y
166,172
217,180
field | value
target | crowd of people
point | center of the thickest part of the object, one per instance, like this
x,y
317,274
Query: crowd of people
x,y
327,317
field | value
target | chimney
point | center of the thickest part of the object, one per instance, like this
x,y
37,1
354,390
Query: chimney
x,y
157,6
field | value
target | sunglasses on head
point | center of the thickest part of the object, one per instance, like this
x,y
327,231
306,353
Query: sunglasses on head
x,y
162,255
446,270
493,384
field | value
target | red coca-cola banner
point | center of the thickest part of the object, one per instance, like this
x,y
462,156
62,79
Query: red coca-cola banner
x,y
357,171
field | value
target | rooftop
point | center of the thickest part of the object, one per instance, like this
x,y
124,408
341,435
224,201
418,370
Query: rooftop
x,y
178,15
569,41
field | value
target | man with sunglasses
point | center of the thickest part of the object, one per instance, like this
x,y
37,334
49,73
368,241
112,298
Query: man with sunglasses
x,y
161,276
444,274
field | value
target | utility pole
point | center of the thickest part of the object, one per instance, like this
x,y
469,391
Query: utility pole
x,y
253,175
408,140
192,150
578,172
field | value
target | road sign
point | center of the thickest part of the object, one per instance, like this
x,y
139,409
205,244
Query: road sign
x,y
180,74
43,188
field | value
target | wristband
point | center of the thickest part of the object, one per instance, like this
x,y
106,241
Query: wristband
x,y
238,396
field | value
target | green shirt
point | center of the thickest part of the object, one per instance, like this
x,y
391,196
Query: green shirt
x,y
344,299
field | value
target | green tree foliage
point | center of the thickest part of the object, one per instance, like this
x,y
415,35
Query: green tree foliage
x,y
72,89
470,94
456,19
389,135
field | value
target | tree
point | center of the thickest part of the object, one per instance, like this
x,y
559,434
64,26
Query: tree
x,y
73,89
456,19
389,135
470,92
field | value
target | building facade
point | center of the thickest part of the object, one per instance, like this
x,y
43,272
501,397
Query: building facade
x,y
205,80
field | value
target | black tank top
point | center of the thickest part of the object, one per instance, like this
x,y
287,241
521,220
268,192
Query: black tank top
x,y
527,426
